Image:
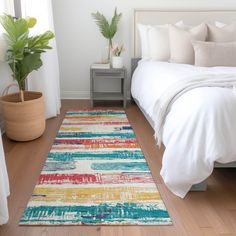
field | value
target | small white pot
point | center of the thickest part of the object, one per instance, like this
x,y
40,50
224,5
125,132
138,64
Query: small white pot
x,y
117,62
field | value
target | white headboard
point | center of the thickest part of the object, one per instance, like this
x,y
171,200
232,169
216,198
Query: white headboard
x,y
192,17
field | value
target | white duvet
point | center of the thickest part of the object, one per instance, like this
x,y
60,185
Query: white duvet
x,y
200,128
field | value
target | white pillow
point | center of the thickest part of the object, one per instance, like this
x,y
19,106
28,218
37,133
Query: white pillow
x,y
215,54
143,29
158,41
159,34
223,33
181,48
189,26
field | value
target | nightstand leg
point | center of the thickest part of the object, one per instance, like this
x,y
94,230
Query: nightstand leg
x,y
124,102
125,90
122,86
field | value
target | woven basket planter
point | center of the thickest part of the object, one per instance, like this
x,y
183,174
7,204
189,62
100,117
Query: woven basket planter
x,y
24,121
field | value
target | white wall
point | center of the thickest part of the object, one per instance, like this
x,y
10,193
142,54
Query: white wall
x,y
80,43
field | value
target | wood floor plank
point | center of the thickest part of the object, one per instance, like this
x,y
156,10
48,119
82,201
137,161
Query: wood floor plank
x,y
194,204
208,232
112,230
214,218
180,214
224,226
42,231
210,213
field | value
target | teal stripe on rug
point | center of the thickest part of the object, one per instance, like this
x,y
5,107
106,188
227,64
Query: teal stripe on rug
x,y
123,166
128,213
95,135
99,155
59,166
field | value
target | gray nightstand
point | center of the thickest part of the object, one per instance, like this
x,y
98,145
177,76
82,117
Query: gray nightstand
x,y
112,74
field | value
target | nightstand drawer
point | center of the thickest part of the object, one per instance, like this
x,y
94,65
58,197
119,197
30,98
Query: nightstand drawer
x,y
108,74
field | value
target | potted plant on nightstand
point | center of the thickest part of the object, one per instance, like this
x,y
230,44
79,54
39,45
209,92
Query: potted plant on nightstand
x,y
108,30
117,60
23,112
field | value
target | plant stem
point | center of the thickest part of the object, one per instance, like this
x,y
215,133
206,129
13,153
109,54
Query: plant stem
x,y
22,95
109,50
110,43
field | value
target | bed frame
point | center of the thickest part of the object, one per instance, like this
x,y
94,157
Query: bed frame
x,y
191,17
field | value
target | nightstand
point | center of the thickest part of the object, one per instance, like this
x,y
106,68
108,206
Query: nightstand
x,y
112,74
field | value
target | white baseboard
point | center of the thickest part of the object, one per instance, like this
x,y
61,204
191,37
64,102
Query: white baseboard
x,y
75,94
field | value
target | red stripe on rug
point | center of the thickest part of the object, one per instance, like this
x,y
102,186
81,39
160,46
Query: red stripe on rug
x,y
94,178
96,123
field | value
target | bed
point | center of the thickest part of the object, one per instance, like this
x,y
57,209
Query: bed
x,y
186,160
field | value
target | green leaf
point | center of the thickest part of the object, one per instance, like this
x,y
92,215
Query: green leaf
x,y
102,24
114,23
31,21
30,63
106,29
15,29
41,41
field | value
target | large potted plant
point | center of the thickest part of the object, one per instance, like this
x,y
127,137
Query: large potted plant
x,y
23,112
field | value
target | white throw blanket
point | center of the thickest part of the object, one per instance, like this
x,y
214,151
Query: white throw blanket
x,y
164,104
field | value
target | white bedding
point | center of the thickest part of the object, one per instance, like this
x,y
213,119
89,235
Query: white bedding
x,y
200,127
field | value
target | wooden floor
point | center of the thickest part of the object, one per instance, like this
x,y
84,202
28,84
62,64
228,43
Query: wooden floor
x,y
207,213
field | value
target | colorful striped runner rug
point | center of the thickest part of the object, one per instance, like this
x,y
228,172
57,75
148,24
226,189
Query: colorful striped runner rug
x,y
95,174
